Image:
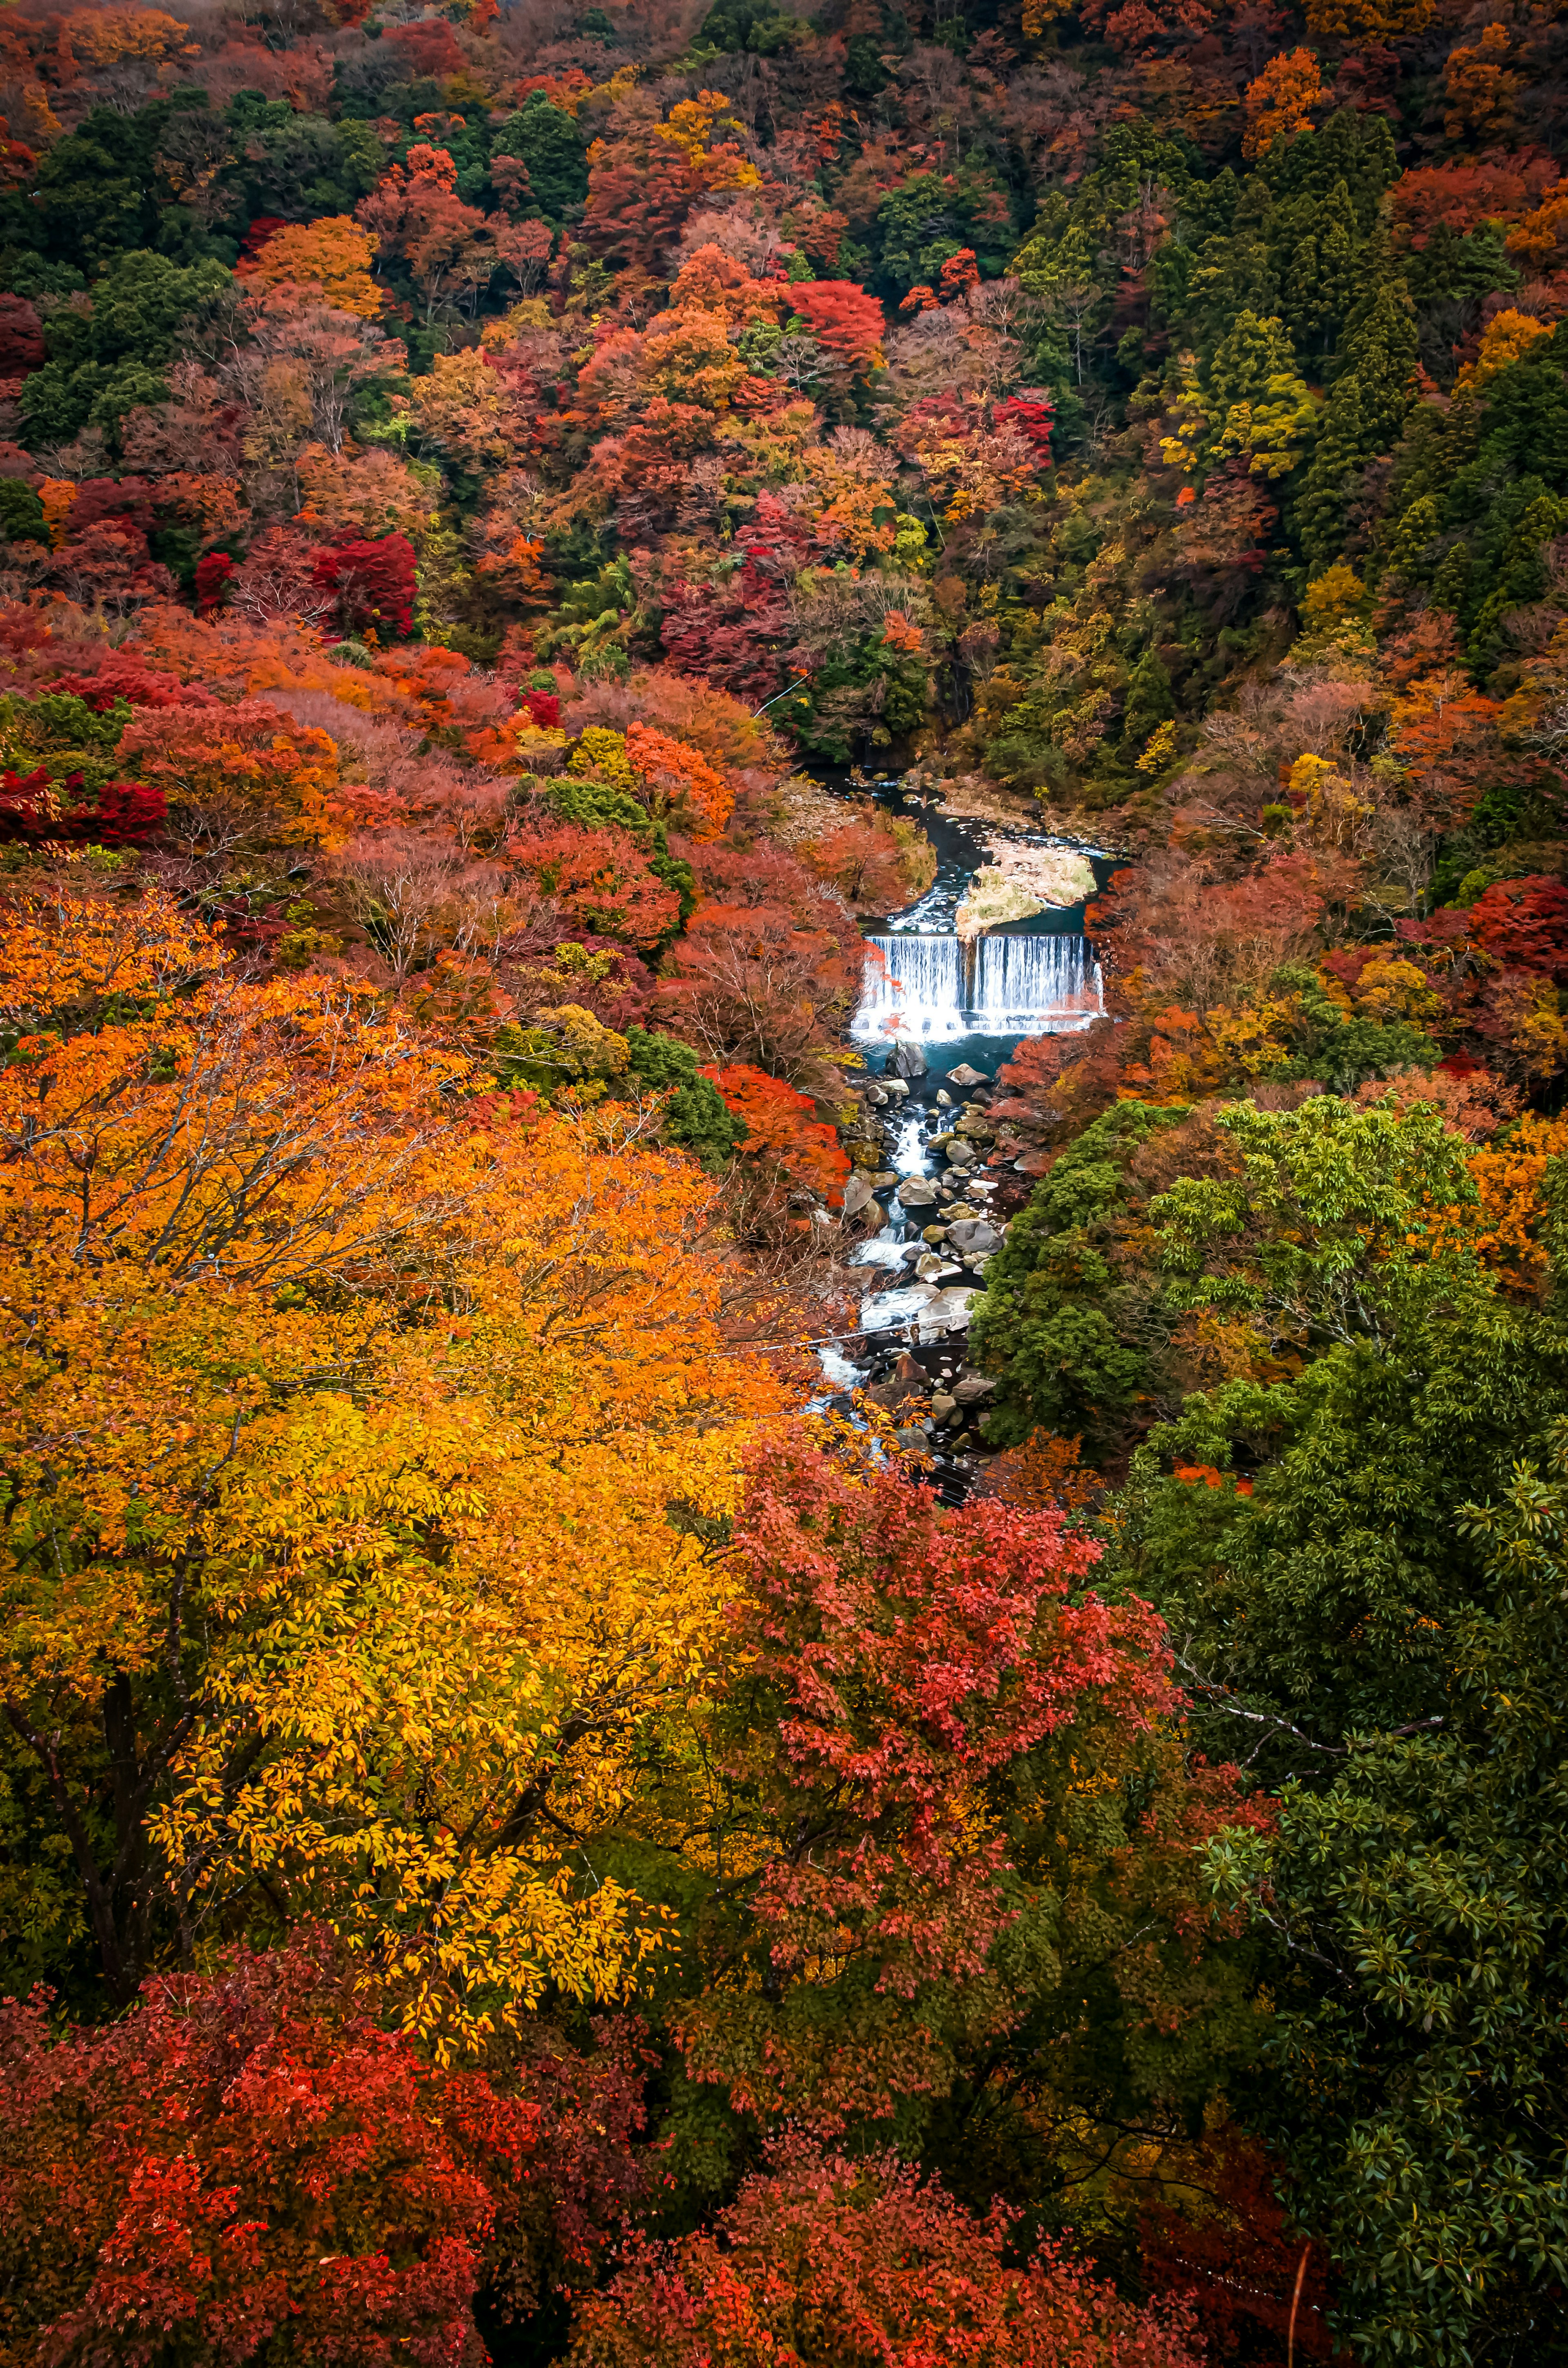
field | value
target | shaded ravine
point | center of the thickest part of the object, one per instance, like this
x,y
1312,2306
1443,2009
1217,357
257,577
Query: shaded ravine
x,y
938,1019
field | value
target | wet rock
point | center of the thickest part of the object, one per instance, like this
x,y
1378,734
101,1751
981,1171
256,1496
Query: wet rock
x,y
972,1388
964,1075
956,1212
975,1129
948,1311
876,1096
943,1408
895,1088
960,1154
934,1234
908,1059
912,1439
907,1382
859,1194
918,1192
975,1233
944,1099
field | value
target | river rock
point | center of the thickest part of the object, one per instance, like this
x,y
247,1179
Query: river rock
x,y
907,1059
912,1439
975,1234
964,1075
876,1096
974,1128
960,1154
895,1088
948,1312
868,1156
973,1386
944,1099
918,1192
859,1194
943,1408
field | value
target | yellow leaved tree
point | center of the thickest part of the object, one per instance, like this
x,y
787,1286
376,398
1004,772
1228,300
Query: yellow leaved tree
x,y
344,1411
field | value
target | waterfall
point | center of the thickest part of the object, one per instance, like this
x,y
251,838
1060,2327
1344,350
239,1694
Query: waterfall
x,y
1035,986
943,989
918,987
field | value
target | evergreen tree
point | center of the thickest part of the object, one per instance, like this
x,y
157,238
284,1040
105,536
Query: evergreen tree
x,y
551,145
1332,476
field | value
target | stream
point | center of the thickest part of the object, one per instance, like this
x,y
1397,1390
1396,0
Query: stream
x,y
938,1017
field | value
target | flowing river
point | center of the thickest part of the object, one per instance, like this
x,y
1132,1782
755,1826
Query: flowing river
x,y
939,1016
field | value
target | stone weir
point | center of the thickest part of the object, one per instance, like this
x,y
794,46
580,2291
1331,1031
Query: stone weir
x,y
939,1014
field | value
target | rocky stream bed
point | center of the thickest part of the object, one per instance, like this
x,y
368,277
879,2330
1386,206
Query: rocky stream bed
x,y
936,1179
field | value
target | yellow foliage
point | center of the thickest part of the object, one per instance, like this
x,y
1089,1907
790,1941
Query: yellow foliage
x,y
600,756
332,254
690,128
1505,338
341,1417
1511,1176
1393,990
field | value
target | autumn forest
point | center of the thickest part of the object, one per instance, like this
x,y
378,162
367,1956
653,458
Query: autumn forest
x,y
783,1158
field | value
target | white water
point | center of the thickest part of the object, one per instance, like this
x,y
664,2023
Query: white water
x,y
943,989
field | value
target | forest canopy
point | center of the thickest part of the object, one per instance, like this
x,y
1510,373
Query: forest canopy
x,y
524,1833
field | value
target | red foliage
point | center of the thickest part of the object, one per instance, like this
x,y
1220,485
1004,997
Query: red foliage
x,y
21,337
543,708
637,204
782,1134
127,679
264,227
430,48
843,317
768,967
34,811
912,1653
1237,2259
1031,413
1494,187
374,582
600,879
213,574
249,2159
1524,923
732,632
824,2262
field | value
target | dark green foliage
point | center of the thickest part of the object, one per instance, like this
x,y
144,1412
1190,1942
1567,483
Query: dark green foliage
x,y
553,148
21,512
1073,1339
1420,2056
695,1116
756,27
107,356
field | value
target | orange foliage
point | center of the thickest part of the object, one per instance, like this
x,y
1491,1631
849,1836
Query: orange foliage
x,y
781,1135
1279,103
332,254
1368,20
1512,1221
678,782
1044,1476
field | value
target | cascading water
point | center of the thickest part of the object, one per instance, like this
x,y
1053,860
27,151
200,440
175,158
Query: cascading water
x,y
941,990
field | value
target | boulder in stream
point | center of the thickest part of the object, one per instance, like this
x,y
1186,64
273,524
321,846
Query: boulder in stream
x,y
918,1192
907,1058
